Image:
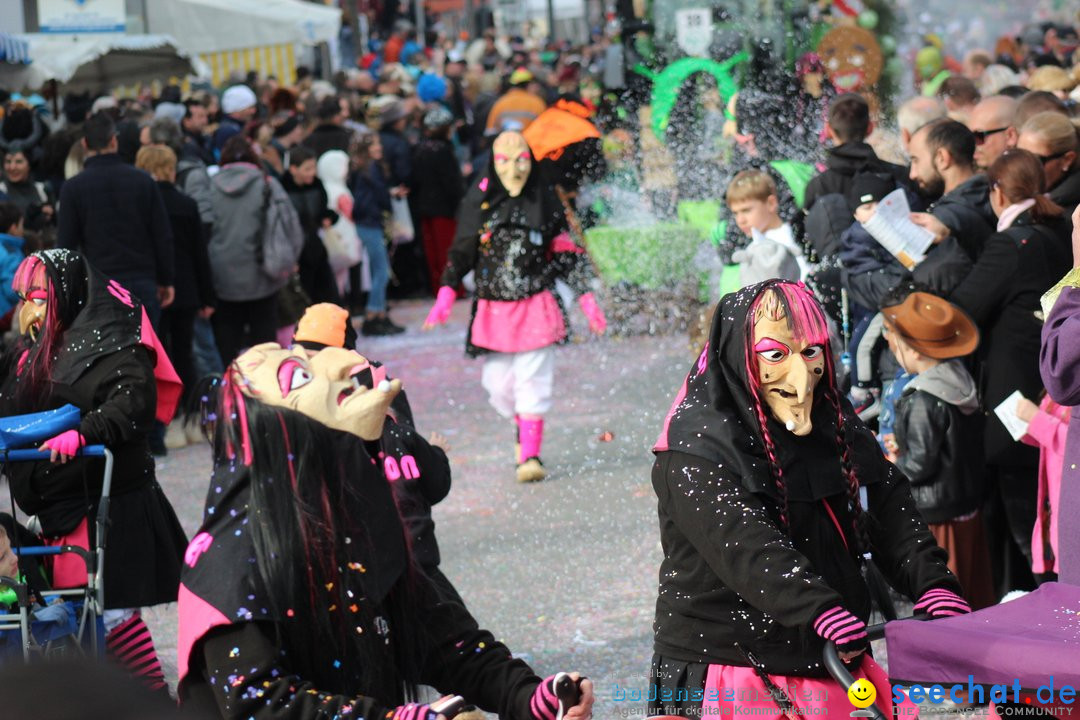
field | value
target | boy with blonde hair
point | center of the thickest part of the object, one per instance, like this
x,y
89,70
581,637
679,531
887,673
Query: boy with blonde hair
x,y
772,251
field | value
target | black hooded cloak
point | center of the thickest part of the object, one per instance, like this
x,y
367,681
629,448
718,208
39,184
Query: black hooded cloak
x,y
733,581
103,366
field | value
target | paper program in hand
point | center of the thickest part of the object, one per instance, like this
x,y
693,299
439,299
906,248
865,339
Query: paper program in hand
x,y
892,227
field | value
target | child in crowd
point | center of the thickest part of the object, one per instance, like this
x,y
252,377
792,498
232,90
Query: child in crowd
x,y
371,199
1047,429
939,429
11,254
773,252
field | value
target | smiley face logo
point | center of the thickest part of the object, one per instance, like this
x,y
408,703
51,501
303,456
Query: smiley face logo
x,y
862,693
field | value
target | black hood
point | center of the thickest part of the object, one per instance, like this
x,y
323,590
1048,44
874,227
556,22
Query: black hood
x,y
713,418
99,316
488,205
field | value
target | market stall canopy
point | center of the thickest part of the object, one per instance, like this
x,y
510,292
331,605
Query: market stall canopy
x,y
13,50
242,35
94,63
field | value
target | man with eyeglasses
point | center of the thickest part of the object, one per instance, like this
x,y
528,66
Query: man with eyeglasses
x,y
991,122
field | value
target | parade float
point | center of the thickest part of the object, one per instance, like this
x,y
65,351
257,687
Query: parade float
x,y
707,89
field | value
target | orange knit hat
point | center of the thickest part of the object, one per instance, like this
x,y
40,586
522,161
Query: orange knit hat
x,y
323,324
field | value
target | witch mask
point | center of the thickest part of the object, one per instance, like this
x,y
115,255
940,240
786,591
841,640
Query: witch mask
x,y
32,286
513,161
790,362
336,387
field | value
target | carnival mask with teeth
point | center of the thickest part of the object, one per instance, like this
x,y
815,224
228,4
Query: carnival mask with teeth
x,y
789,368
339,388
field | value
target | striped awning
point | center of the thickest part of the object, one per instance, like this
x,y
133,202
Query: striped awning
x,y
13,50
276,60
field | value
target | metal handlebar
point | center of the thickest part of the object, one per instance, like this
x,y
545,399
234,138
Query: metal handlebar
x,y
30,454
842,675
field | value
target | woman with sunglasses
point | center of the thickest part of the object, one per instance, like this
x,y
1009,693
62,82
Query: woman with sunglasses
x,y
1052,138
1021,261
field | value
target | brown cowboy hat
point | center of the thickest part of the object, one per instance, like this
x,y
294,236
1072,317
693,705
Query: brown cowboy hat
x,y
933,326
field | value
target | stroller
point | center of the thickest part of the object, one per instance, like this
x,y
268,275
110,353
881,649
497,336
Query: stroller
x,y
51,621
1030,646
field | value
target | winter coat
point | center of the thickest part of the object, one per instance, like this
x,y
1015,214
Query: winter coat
x,y
842,163
966,211
734,579
11,255
1001,294
114,215
328,137
371,197
240,211
939,432
194,283
419,474
871,271
311,209
26,194
1067,192
198,147
436,186
194,181
772,254
398,157
1060,371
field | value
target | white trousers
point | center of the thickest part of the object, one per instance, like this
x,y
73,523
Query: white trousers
x,y
520,383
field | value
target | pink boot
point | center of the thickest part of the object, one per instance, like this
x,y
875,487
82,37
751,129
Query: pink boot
x,y
530,435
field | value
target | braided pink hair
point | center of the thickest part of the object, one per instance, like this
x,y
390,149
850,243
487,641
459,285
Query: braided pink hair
x,y
796,303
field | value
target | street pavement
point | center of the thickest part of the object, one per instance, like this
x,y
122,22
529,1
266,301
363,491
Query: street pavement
x,y
563,571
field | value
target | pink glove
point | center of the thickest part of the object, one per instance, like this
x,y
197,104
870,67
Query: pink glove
x,y
597,321
843,628
940,603
412,711
444,303
64,445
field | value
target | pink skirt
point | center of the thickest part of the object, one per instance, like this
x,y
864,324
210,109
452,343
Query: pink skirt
x,y
512,326
731,690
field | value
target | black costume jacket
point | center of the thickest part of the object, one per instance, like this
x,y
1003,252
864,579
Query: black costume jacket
x,y
732,581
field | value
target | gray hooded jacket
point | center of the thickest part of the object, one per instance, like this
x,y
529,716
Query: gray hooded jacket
x,y
240,212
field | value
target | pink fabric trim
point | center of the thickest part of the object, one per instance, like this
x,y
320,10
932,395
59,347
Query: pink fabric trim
x,y
197,617
731,688
169,387
518,325
835,522
662,441
69,570
1048,431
